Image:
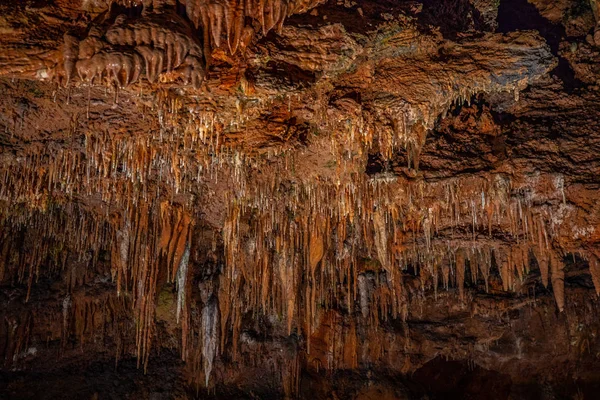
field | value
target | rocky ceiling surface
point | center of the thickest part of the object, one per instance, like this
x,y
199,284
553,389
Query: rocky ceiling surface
x,y
351,199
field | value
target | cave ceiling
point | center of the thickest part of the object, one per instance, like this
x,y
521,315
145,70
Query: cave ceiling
x,y
290,198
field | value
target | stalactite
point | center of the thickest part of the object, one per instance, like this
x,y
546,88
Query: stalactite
x,y
18,335
316,252
381,238
594,265
66,309
544,264
290,375
182,273
210,331
460,274
558,280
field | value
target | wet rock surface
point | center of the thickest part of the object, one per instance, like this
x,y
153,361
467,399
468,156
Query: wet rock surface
x,y
299,199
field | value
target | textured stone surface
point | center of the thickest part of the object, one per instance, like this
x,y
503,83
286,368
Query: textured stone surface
x,y
304,199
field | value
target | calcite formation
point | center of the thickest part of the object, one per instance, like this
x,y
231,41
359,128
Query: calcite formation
x,y
295,199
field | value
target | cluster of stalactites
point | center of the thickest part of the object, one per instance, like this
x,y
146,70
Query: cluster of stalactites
x,y
148,245
229,18
87,318
390,126
151,244
78,318
123,170
45,243
295,253
158,46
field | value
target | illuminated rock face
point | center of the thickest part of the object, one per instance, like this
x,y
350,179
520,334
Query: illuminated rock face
x,y
279,199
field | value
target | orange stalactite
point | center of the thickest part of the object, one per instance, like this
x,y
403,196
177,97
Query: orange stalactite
x,y
594,265
558,280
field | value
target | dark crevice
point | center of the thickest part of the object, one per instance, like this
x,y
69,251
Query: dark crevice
x,y
356,17
520,15
441,378
375,164
452,16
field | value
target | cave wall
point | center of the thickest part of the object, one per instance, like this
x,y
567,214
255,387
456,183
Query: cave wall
x,y
252,199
